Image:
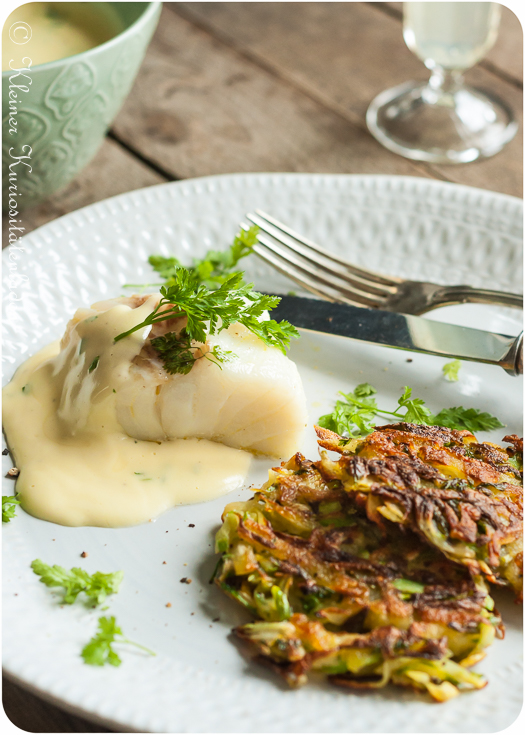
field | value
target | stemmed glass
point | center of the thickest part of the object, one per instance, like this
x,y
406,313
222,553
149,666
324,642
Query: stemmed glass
x,y
444,120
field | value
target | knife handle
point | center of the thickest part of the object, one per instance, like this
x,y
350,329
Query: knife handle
x,y
519,357
512,363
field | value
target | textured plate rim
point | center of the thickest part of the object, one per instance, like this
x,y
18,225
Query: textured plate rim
x,y
314,180
445,186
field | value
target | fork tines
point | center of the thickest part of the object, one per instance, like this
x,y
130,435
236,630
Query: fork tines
x,y
317,270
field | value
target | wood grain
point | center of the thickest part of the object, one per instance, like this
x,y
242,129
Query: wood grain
x,y
199,107
353,53
113,171
506,56
32,714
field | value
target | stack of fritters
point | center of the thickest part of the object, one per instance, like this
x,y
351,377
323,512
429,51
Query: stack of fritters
x,y
461,496
334,560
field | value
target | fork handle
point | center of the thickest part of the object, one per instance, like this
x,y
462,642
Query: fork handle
x,y
448,295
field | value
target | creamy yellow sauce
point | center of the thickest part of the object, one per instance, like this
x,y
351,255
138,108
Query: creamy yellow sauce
x,y
77,466
56,31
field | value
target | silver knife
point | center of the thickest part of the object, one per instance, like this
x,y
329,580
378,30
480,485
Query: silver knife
x,y
403,331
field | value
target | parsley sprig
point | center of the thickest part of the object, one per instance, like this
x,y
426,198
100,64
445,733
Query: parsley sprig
x,y
9,503
355,414
100,651
210,312
179,356
96,587
471,419
214,268
451,370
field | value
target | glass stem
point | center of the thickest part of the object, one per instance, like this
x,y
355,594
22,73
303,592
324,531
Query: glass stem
x,y
446,80
442,85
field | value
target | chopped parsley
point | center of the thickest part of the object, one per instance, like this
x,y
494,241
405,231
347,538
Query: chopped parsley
x,y
96,587
94,364
451,370
210,311
354,415
9,503
99,650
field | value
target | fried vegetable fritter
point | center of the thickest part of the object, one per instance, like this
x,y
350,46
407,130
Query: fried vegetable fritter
x,y
461,496
359,661
338,594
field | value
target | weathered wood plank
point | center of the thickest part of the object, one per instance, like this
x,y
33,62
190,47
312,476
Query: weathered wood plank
x,y
507,53
33,714
343,54
112,171
198,107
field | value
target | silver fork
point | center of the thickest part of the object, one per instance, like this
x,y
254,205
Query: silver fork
x,y
332,278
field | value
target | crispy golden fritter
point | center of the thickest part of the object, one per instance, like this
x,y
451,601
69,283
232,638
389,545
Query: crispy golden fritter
x,y
297,646
461,496
336,593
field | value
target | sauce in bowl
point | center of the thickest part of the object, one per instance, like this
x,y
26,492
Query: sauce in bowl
x,y
57,30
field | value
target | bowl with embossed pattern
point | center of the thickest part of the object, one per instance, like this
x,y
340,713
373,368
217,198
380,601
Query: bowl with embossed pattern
x,y
56,114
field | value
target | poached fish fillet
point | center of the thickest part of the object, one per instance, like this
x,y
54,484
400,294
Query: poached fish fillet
x,y
337,594
254,401
460,496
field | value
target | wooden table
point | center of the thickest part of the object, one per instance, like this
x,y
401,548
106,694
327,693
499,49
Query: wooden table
x,y
229,87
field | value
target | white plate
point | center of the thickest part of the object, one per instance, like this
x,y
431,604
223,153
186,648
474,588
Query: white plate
x,y
201,681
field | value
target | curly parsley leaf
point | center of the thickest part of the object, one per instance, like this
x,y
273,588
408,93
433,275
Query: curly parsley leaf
x,y
95,586
179,356
466,418
99,650
215,267
9,503
416,411
210,312
352,416
272,333
165,267
175,351
355,415
364,389
451,370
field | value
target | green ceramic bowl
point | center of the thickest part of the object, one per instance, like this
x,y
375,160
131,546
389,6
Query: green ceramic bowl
x,y
62,118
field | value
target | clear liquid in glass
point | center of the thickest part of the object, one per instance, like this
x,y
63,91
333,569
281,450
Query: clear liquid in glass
x,y
450,35
445,119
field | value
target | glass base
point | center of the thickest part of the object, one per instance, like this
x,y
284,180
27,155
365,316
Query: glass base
x,y
423,123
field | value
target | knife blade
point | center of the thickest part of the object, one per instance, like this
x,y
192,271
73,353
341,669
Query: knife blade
x,y
403,331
